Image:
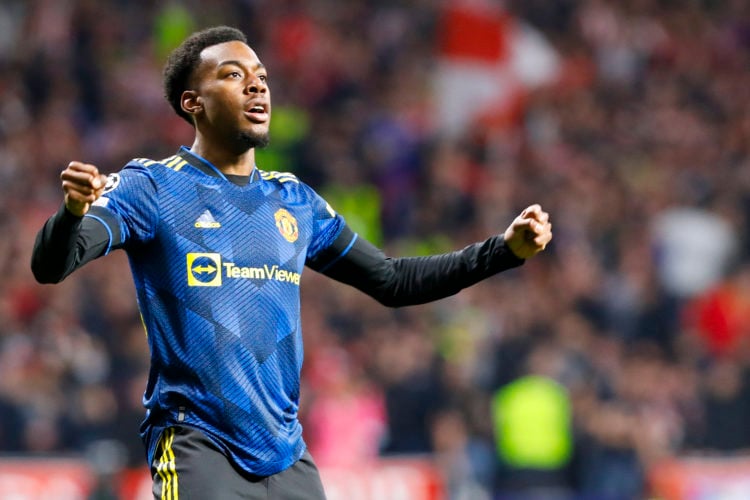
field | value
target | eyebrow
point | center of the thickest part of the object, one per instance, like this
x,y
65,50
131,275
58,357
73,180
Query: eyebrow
x,y
234,62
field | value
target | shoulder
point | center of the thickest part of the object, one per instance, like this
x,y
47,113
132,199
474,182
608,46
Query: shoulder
x,y
155,172
286,184
278,177
141,175
174,163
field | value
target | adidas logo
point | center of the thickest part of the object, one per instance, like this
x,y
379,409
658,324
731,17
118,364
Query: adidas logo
x,y
207,221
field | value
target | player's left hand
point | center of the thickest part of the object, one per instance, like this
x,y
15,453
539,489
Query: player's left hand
x,y
529,233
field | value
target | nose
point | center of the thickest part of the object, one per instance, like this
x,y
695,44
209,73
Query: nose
x,y
256,85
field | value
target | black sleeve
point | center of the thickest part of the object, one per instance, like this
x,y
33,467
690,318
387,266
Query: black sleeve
x,y
65,243
397,282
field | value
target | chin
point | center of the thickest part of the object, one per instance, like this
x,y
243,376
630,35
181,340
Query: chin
x,y
255,139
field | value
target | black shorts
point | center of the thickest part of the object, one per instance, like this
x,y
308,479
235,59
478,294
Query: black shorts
x,y
189,466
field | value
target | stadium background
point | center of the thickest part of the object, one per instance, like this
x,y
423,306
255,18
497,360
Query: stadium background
x,y
591,372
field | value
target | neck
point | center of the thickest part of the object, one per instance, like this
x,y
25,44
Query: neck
x,y
227,161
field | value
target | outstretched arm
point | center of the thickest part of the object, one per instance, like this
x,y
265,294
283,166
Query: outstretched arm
x,y
399,282
67,240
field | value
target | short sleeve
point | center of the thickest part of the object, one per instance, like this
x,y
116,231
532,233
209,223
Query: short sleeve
x,y
129,207
327,225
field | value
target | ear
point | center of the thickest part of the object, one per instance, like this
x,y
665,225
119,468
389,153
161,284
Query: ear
x,y
191,102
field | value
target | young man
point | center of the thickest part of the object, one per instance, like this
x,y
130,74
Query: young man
x,y
216,249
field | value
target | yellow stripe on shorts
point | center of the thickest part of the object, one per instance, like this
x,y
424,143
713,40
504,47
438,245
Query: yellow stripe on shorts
x,y
167,468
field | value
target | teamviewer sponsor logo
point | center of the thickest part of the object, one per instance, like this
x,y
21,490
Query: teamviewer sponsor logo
x,y
204,269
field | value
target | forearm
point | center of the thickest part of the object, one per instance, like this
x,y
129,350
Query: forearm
x,y
65,243
399,282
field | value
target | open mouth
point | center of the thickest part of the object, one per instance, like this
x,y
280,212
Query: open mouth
x,y
257,113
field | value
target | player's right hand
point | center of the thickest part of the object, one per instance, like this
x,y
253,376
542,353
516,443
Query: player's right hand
x,y
83,185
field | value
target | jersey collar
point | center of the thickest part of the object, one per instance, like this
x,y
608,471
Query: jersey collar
x,y
208,168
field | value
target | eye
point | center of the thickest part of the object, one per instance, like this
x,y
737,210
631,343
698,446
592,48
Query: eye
x,y
263,78
234,74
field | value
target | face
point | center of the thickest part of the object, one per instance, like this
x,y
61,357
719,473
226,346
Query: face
x,y
232,97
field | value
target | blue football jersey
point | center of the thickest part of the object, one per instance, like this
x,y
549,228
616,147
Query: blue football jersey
x,y
217,270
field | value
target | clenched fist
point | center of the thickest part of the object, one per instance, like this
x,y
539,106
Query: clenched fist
x,y
83,185
529,233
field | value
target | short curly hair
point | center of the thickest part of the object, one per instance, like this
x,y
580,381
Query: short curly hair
x,y
184,59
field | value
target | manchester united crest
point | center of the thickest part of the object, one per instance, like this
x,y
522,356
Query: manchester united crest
x,y
287,225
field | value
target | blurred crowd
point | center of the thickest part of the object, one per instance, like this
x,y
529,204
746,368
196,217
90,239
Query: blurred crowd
x,y
623,344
